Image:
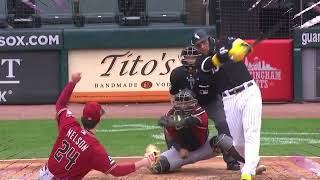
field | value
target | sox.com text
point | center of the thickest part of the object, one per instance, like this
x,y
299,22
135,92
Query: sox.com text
x,y
33,40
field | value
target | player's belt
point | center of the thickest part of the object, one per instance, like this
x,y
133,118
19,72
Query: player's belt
x,y
237,90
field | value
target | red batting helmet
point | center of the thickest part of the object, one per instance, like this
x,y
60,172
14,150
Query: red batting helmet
x,y
91,114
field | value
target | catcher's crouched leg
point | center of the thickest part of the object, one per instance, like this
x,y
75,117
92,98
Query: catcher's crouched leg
x,y
225,144
168,140
162,165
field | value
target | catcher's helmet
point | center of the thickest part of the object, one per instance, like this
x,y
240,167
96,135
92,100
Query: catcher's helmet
x,y
189,56
184,101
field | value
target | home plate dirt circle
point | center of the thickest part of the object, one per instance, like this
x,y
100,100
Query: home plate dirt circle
x,y
278,168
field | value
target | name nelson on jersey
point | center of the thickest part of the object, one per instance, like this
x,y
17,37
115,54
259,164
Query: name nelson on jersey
x,y
74,136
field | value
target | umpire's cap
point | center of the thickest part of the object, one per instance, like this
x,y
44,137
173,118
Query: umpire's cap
x,y
92,111
199,36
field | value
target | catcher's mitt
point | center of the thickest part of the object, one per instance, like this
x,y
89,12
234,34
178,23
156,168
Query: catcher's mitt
x,y
152,154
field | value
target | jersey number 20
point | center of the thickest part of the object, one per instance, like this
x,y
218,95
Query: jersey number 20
x,y
68,152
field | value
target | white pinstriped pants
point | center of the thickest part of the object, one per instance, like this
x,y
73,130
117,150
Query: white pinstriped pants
x,y
243,114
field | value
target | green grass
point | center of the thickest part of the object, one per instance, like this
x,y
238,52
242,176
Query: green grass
x,y
34,138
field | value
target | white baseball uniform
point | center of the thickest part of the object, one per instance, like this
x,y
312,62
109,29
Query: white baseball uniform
x,y
243,113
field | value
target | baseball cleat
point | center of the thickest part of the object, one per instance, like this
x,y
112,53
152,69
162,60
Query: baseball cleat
x,y
260,169
233,166
245,176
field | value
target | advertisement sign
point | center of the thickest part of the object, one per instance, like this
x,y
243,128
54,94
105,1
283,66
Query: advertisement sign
x,y
123,75
142,75
24,39
29,77
270,65
307,38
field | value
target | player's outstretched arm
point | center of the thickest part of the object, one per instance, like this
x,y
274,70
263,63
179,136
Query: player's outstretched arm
x,y
67,91
127,168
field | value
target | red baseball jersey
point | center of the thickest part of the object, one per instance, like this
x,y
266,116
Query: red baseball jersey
x,y
193,137
76,150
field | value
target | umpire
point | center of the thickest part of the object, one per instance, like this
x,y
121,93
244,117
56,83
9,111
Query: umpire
x,y
202,84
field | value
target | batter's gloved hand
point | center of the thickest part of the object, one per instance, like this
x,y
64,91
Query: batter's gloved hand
x,y
240,49
222,53
152,154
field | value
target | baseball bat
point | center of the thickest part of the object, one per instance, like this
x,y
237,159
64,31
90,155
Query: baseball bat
x,y
268,34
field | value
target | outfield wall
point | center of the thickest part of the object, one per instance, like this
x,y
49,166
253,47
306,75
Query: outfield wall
x,y
118,64
30,66
307,64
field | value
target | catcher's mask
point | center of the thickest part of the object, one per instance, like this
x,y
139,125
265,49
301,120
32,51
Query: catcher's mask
x,y
189,56
91,114
184,102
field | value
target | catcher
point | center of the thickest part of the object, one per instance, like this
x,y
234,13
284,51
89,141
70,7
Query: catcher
x,y
186,128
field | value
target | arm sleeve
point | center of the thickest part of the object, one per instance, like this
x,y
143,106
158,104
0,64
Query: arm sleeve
x,y
201,116
123,169
174,83
204,119
64,96
104,163
64,116
206,65
101,161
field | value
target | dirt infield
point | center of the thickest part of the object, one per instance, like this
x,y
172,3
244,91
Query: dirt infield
x,y
278,168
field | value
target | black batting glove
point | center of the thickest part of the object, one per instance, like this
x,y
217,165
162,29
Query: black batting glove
x,y
222,48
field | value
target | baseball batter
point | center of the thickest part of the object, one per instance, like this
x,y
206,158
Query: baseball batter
x,y
186,126
205,44
241,98
76,150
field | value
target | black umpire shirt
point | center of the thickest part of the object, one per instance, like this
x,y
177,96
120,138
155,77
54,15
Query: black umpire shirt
x,y
200,83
